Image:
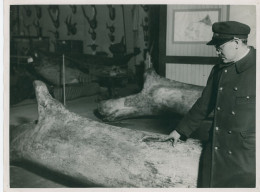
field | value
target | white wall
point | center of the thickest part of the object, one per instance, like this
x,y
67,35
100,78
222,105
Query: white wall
x,y
192,48
245,14
189,73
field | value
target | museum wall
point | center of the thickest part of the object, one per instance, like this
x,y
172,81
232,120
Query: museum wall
x,y
245,14
96,41
107,25
197,73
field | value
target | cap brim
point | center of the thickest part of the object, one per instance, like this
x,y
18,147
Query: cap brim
x,y
212,42
218,41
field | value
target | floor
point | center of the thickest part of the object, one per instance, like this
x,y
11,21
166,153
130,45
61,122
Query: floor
x,y
26,111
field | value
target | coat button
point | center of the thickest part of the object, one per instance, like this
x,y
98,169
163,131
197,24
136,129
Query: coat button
x,y
233,113
235,88
218,108
221,88
229,132
216,148
217,128
225,71
247,97
229,152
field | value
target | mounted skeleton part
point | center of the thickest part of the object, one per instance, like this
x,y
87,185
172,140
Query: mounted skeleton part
x,y
145,7
71,27
73,9
118,48
55,33
159,95
111,28
111,37
145,29
93,47
94,152
28,11
38,28
38,10
93,34
112,12
54,12
93,21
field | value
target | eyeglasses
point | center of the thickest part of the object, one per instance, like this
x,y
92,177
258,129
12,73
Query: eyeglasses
x,y
220,48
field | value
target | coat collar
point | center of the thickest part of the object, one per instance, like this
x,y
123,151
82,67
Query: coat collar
x,y
244,63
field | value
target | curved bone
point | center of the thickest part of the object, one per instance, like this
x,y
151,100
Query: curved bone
x,y
159,95
94,152
73,8
112,12
93,21
145,7
111,28
38,11
56,34
28,11
54,13
71,27
93,34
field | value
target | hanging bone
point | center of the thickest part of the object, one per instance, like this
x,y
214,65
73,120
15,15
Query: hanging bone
x,y
112,12
92,22
93,34
38,11
56,34
73,9
158,96
54,13
118,48
28,11
106,156
145,7
145,26
27,27
111,37
145,30
38,29
93,47
71,27
111,28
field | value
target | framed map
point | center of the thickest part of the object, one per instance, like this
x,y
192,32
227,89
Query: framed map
x,y
193,25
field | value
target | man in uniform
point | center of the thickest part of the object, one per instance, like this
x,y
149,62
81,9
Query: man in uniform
x,y
228,160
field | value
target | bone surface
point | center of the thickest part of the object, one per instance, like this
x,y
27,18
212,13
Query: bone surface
x,y
159,95
94,152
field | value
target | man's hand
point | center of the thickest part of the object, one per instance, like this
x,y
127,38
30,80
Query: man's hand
x,y
175,136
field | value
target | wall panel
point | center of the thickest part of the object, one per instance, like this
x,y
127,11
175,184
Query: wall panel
x,y
193,48
188,73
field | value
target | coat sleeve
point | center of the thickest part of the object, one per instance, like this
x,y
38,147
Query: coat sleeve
x,y
200,110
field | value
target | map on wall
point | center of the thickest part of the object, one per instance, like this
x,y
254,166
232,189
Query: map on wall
x,y
193,26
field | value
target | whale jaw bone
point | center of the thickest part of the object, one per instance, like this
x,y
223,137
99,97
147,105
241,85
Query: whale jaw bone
x,y
158,96
94,152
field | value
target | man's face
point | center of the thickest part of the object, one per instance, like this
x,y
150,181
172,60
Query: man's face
x,y
227,51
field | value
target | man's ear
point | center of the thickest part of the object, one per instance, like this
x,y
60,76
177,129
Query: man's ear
x,y
237,41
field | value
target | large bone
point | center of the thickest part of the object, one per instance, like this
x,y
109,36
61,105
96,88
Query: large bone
x,y
158,96
94,152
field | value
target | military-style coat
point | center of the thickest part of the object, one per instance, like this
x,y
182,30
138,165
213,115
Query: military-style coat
x,y
229,157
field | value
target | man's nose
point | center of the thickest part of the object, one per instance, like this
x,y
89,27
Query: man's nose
x,y
218,51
